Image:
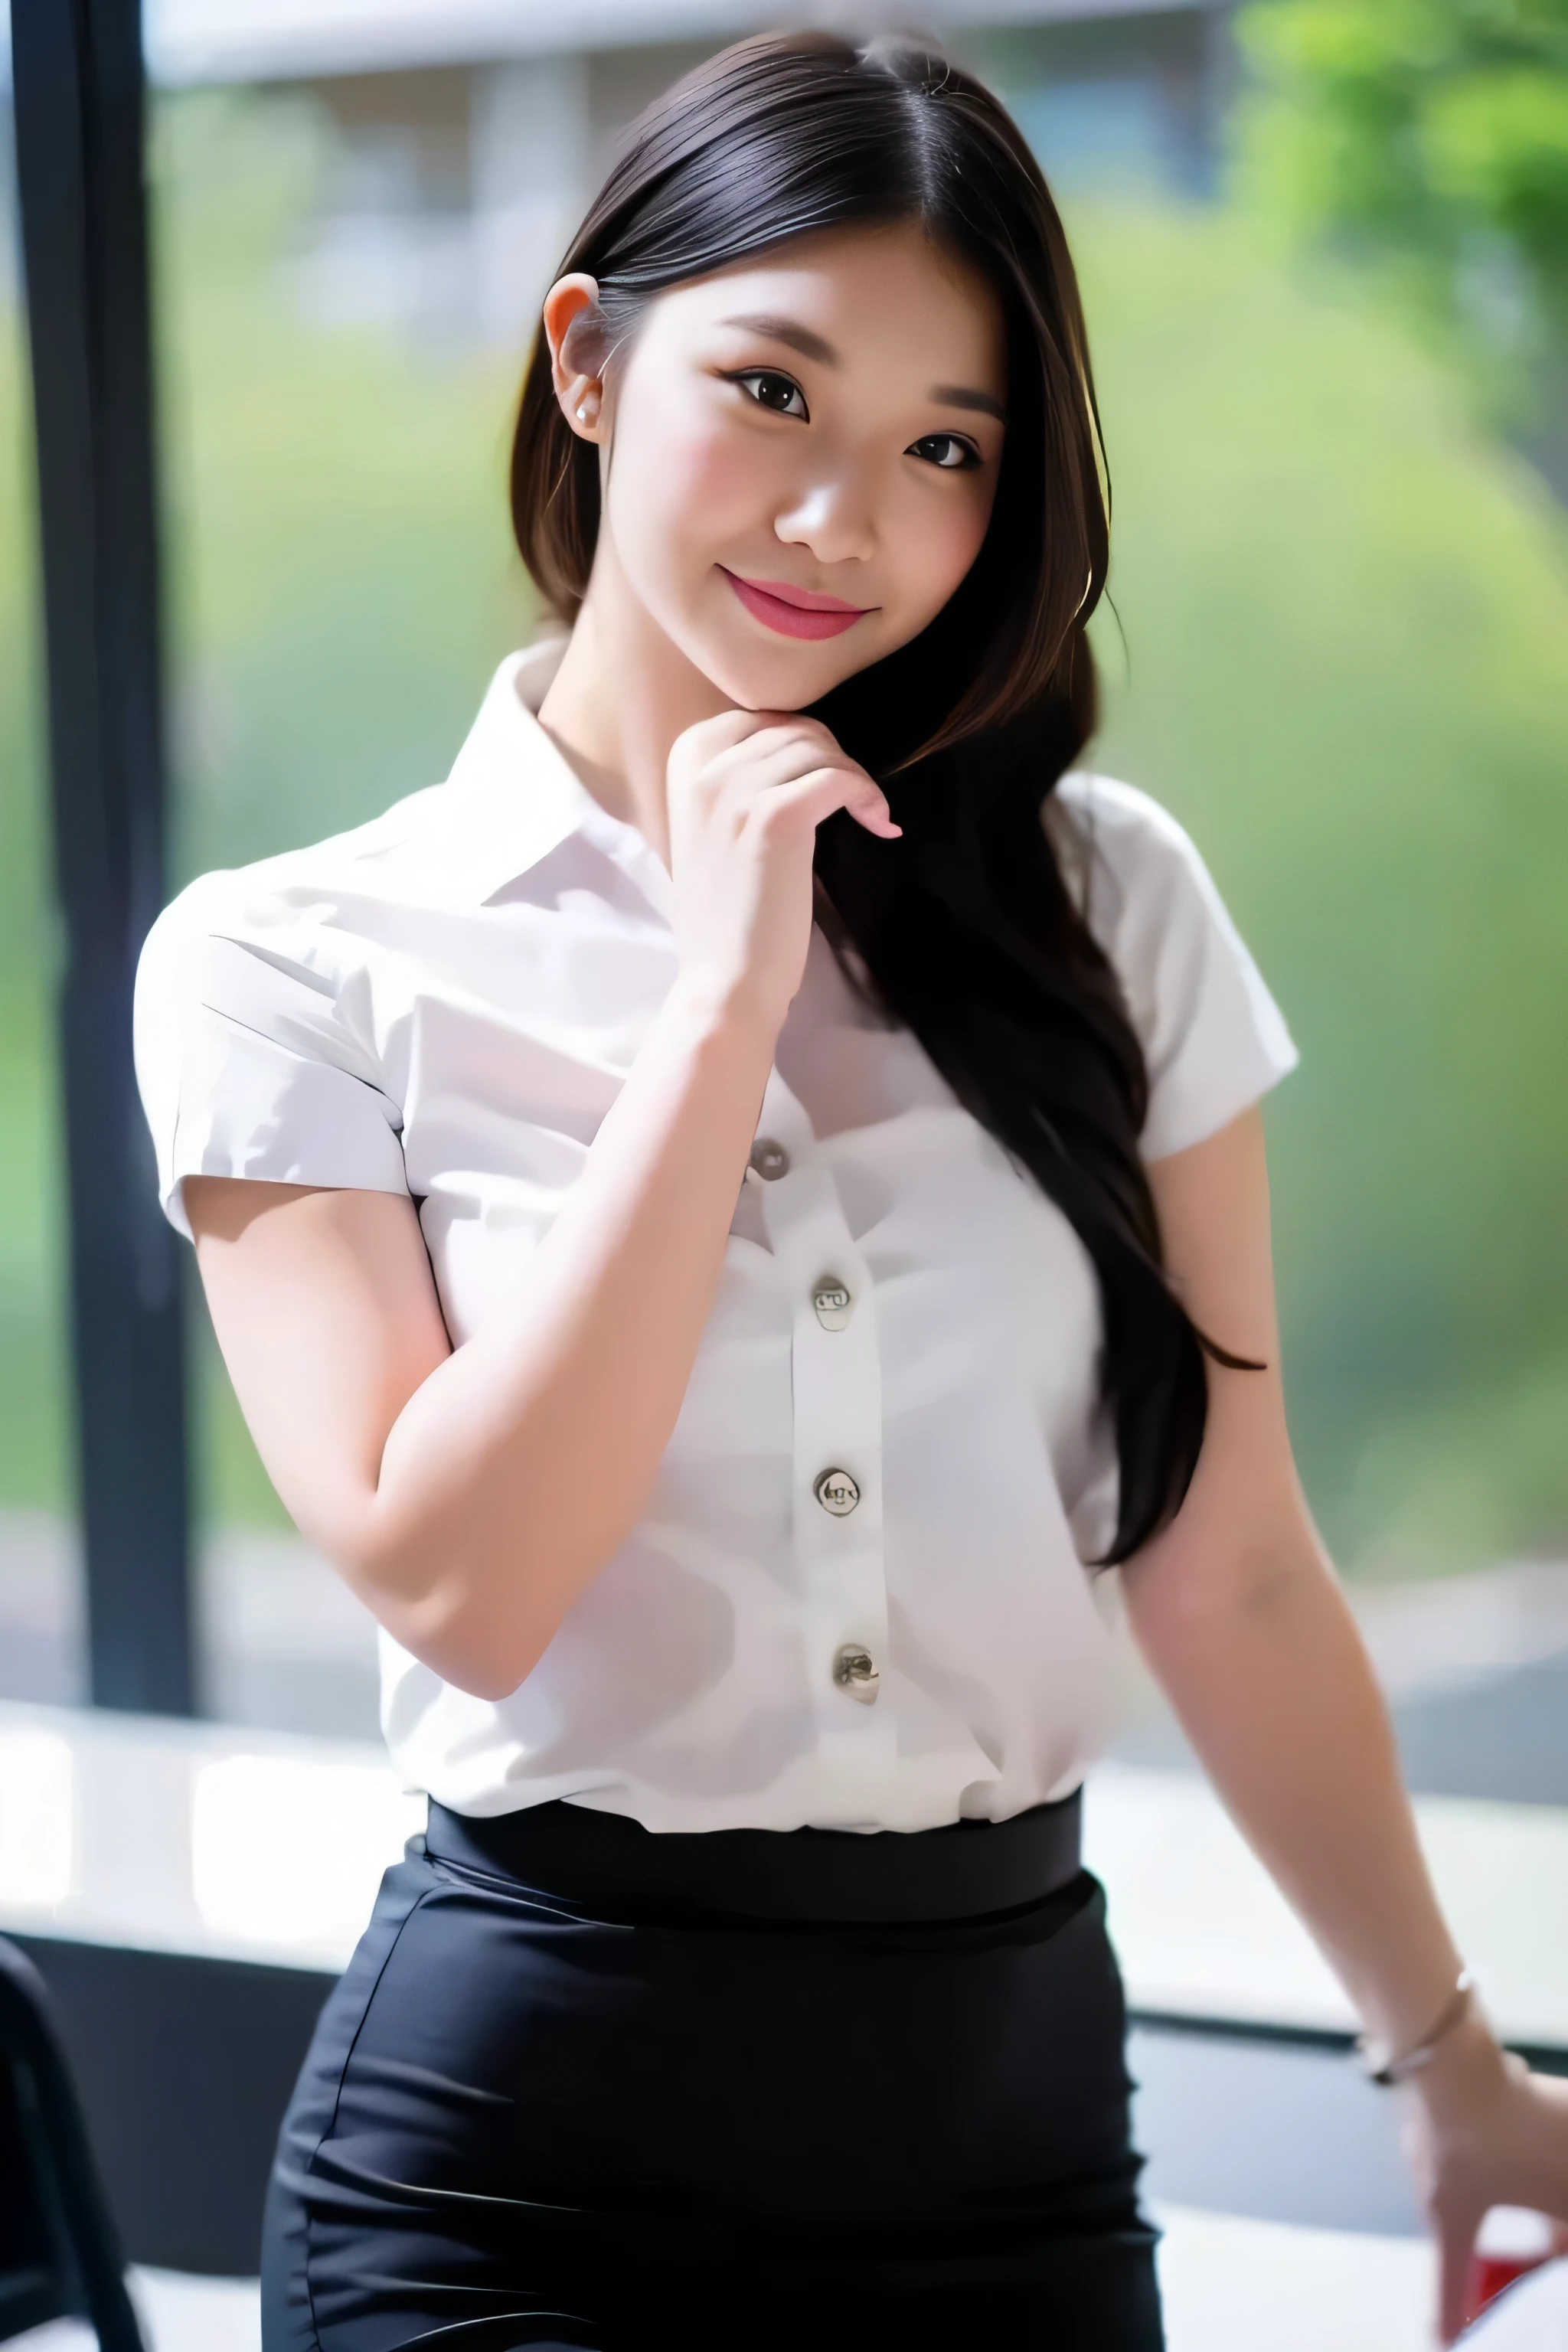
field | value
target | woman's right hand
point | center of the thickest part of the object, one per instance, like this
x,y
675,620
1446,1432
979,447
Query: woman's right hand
x,y
747,790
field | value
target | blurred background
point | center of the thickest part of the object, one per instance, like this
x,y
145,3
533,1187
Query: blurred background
x,y
1324,253
1322,246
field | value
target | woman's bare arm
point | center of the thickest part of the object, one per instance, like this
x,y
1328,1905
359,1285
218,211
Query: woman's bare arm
x,y
1239,1613
1242,1619
469,1494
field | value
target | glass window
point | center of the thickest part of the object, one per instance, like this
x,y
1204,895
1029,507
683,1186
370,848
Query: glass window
x,y
41,1653
335,396
1334,652
348,273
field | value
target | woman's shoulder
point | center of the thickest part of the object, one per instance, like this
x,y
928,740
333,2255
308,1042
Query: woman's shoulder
x,y
261,1050
278,955
1121,851
296,889
1212,1037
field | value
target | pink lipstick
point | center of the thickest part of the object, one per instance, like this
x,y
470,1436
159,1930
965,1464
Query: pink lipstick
x,y
795,612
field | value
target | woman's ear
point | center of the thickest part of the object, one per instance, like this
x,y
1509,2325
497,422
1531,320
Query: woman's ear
x,y
575,329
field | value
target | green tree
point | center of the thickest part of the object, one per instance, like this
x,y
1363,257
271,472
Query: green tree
x,y
1431,136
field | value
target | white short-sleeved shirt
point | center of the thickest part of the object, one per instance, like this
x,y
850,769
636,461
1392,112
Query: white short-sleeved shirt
x,y
444,1004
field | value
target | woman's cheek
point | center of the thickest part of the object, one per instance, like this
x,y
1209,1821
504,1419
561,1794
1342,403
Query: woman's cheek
x,y
943,553
681,498
709,486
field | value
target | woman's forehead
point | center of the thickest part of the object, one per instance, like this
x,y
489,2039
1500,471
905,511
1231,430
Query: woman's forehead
x,y
852,286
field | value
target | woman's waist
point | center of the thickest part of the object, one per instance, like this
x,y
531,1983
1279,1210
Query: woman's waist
x,y
757,1750
583,1856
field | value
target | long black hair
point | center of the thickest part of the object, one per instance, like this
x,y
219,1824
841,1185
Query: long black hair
x,y
966,927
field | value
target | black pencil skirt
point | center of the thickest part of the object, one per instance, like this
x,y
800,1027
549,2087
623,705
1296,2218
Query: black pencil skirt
x,y
584,2086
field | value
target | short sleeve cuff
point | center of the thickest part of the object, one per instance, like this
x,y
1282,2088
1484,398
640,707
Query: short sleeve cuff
x,y
1214,1039
250,1109
248,1065
1189,1109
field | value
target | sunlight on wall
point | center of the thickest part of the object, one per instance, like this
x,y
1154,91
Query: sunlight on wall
x,y
38,1841
285,1853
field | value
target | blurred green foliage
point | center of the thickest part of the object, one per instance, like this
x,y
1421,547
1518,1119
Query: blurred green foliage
x,y
340,583
342,578
1346,618
1430,136
1346,635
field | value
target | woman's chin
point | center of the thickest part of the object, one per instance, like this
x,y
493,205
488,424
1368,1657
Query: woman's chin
x,y
759,678
750,685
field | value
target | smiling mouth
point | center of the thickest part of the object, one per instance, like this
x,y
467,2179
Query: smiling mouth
x,y
795,612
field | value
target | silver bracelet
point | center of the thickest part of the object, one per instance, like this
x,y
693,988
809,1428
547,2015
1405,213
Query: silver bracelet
x,y
1393,2070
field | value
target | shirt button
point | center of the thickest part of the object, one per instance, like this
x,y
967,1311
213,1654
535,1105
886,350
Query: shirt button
x,y
837,1492
833,1302
854,1671
769,1159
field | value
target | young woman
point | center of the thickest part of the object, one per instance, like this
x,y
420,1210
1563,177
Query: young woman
x,y
729,1218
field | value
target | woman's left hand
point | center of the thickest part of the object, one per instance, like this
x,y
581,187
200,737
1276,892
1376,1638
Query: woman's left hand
x,y
1481,2130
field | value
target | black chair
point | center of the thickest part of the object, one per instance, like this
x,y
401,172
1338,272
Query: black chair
x,y
59,2250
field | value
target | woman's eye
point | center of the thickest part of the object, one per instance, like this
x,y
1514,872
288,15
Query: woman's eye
x,y
779,393
946,450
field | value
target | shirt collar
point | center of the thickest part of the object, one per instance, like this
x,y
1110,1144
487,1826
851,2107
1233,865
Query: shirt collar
x,y
512,797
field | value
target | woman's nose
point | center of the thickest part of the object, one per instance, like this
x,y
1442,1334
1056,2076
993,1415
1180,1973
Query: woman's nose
x,y
833,519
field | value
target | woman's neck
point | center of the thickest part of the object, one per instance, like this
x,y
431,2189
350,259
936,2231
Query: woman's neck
x,y
622,694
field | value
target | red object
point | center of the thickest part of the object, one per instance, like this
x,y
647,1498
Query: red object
x,y
795,612
1511,2241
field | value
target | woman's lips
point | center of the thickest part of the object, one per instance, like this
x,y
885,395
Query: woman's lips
x,y
795,611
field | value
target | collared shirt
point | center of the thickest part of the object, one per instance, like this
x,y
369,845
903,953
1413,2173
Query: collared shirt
x,y
857,1596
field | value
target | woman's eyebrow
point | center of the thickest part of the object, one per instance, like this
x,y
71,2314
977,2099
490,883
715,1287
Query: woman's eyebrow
x,y
787,331
811,346
962,395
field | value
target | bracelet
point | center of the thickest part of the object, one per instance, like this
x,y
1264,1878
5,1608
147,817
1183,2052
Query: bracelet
x,y
1393,2070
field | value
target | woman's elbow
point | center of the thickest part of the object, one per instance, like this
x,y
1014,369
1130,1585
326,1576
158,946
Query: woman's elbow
x,y
454,1620
487,1672
1186,1593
